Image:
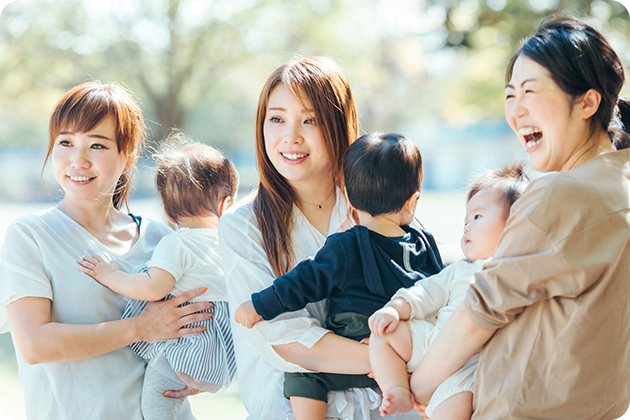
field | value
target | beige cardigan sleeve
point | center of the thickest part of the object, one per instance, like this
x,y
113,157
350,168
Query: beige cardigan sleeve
x,y
554,245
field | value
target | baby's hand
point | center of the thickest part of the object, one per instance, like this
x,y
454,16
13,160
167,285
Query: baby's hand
x,y
384,321
246,315
97,268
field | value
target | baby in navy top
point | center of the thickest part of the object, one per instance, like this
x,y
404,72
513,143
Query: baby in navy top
x,y
358,270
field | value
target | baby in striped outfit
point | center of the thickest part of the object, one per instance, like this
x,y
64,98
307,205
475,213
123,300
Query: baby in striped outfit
x,y
196,184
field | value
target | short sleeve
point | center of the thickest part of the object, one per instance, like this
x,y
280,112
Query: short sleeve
x,y
22,272
541,257
168,255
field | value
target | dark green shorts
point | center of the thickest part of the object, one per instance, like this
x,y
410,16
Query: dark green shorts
x,y
316,385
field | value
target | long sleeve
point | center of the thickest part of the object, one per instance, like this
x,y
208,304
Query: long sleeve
x,y
310,281
558,290
545,254
428,295
247,271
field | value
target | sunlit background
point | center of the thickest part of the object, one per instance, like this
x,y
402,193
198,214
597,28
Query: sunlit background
x,y
432,70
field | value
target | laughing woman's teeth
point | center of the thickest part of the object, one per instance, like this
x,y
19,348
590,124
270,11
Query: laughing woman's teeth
x,y
79,178
531,135
293,156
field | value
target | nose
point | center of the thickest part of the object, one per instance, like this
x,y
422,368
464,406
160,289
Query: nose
x,y
293,133
466,228
80,158
519,109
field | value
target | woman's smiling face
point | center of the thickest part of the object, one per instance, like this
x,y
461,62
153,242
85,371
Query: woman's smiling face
x,y
88,165
545,118
293,140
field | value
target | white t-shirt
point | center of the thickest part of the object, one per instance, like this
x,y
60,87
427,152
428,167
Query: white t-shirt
x,y
39,259
260,368
192,257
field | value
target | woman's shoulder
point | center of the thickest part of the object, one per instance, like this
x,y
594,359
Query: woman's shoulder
x,y
579,196
152,230
43,220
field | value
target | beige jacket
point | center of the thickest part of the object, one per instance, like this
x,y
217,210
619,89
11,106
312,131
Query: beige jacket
x,y
558,289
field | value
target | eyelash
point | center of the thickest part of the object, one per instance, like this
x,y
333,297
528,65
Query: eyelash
x,y
310,121
95,146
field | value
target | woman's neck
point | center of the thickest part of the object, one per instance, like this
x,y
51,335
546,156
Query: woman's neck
x,y
316,203
595,145
94,216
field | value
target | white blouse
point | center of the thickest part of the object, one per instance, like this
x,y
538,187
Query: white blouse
x,y
39,259
260,368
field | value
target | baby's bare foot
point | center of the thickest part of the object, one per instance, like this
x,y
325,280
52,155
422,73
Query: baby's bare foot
x,y
396,400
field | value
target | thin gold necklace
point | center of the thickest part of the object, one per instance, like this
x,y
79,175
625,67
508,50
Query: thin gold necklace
x,y
320,206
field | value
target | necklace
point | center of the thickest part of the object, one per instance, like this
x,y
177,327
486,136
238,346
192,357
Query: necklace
x,y
320,206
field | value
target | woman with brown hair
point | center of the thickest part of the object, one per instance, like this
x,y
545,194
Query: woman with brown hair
x,y
306,119
72,347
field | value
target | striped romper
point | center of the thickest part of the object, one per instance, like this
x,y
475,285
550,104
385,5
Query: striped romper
x,y
192,257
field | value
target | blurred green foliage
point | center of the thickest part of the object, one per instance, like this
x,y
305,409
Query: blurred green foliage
x,y
199,64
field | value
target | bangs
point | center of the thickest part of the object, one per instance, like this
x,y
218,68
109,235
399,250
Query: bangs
x,y
82,112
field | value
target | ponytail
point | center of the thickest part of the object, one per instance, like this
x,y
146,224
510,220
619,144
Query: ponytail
x,y
619,129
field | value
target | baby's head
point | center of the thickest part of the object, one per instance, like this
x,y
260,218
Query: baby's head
x,y
488,208
194,179
382,172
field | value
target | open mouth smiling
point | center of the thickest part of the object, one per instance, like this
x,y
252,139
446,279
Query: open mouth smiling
x,y
531,135
80,178
294,156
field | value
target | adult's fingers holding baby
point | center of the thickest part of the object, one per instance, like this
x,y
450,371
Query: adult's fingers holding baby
x,y
182,393
165,320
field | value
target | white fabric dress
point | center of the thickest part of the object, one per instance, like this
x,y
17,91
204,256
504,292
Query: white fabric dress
x,y
260,368
439,296
39,259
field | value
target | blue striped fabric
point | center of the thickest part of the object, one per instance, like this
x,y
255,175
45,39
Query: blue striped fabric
x,y
207,357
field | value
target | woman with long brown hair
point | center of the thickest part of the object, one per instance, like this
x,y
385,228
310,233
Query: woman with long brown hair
x,y
306,119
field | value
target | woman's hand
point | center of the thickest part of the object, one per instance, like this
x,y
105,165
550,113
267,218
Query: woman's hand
x,y
384,321
182,393
419,408
246,315
166,320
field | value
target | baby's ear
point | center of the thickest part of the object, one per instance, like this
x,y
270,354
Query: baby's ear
x,y
225,204
412,202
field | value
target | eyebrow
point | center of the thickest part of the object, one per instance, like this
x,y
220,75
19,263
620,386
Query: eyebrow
x,y
277,108
531,79
97,136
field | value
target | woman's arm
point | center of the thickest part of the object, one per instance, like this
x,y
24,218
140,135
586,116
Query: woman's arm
x,y
457,342
39,340
332,354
